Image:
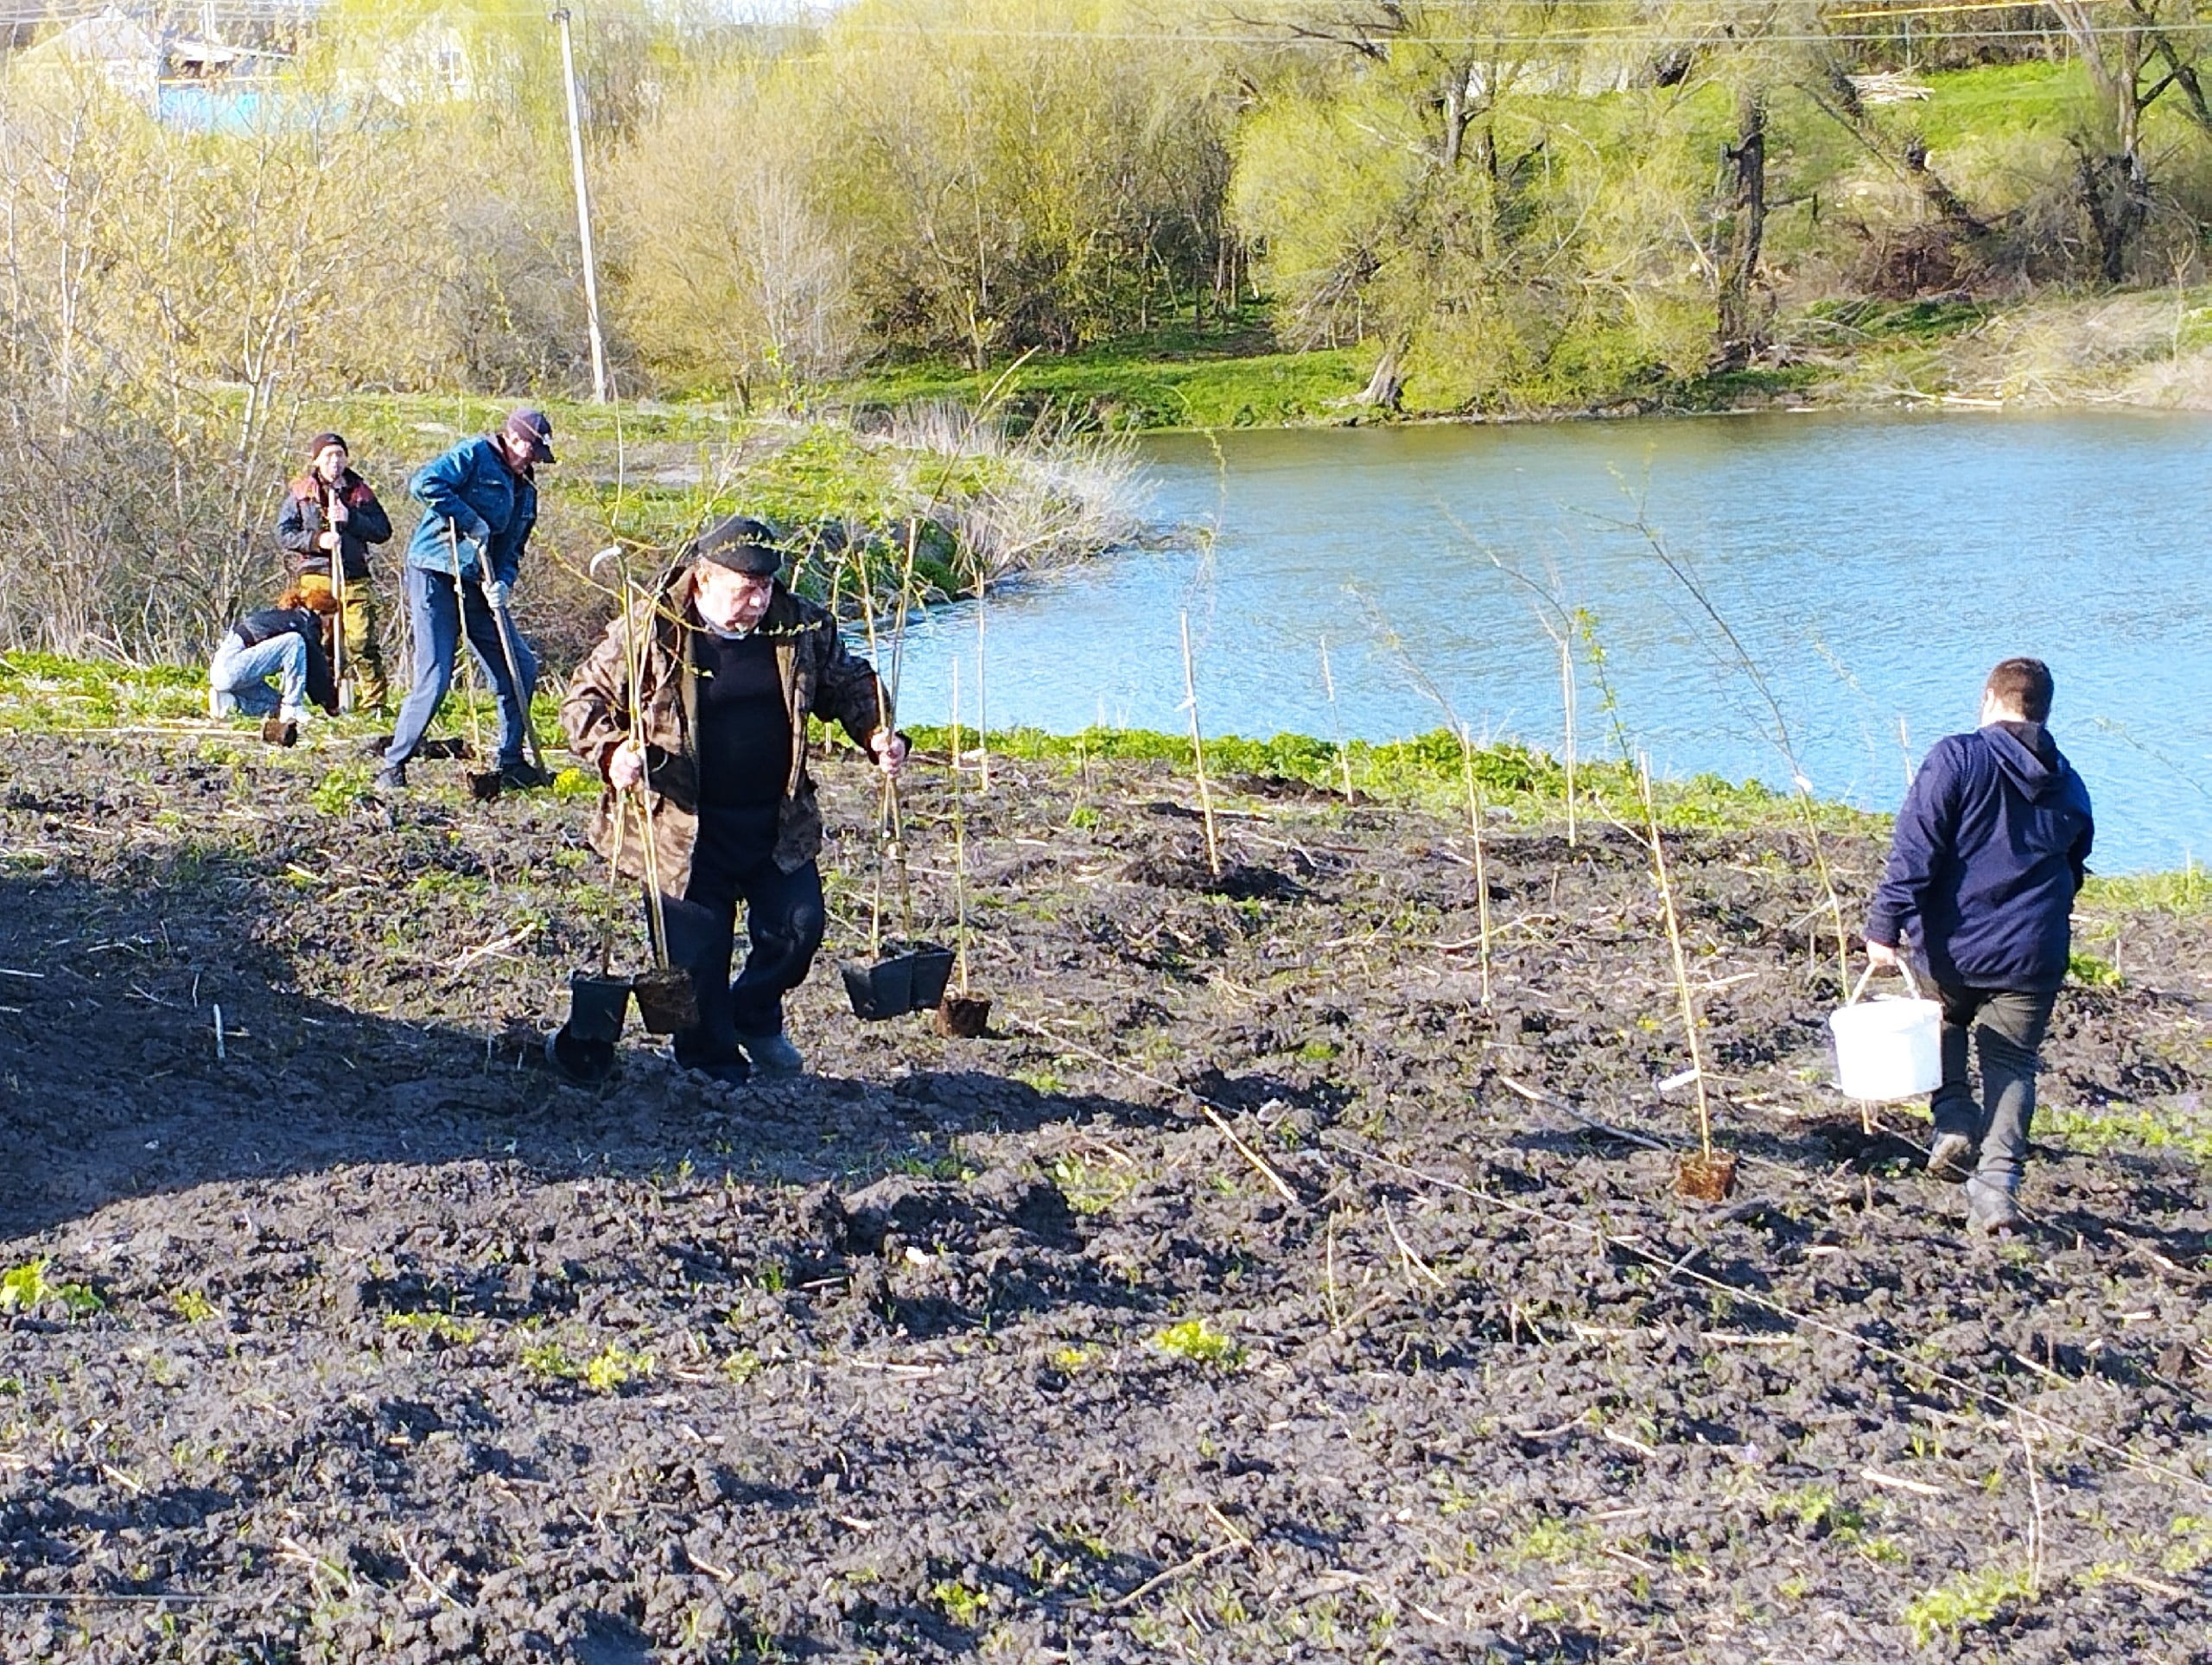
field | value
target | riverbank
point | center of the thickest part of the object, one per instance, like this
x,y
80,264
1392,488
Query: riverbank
x,y
924,505
2150,349
1258,1288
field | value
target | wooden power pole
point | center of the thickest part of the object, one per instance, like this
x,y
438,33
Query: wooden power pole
x,y
583,212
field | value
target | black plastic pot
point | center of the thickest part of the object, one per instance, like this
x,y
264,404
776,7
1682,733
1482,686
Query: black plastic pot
x,y
278,732
586,1062
899,984
484,785
597,1007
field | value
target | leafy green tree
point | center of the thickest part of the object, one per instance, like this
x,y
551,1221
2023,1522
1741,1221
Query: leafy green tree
x,y
1485,194
1015,174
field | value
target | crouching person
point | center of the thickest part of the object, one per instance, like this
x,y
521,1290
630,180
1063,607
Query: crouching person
x,y
284,642
733,663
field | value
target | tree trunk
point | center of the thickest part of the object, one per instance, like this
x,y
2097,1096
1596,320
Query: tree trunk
x,y
1743,229
2115,194
1386,388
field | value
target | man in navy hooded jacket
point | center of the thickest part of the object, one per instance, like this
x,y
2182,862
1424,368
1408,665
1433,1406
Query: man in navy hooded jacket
x,y
480,504
1990,846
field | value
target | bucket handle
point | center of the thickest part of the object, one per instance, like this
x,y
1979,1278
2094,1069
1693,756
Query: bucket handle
x,y
1911,983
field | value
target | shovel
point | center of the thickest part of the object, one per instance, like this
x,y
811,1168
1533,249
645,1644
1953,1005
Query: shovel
x,y
514,680
332,521
668,1000
483,784
966,1015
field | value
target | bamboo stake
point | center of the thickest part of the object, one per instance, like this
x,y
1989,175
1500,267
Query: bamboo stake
x,y
890,824
959,845
1567,700
1681,966
462,647
1335,723
982,731
1482,877
1198,749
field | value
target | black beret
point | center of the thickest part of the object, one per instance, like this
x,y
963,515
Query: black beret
x,y
742,544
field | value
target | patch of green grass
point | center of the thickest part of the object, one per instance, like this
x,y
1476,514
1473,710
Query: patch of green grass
x,y
549,1360
192,1305
2091,972
1427,770
1092,1187
441,1329
1193,1340
42,692
1890,322
953,1166
1549,1543
347,784
613,1367
2115,1126
25,1288
2186,893
1974,1598
964,1606
1226,376
2191,1549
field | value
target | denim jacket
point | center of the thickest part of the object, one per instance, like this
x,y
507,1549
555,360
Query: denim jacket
x,y
470,495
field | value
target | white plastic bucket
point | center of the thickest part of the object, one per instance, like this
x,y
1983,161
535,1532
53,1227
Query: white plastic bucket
x,y
1888,1048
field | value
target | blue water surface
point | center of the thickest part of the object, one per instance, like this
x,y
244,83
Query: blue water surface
x,y
1873,566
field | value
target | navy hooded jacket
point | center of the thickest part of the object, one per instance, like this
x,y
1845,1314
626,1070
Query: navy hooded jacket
x,y
1990,846
472,495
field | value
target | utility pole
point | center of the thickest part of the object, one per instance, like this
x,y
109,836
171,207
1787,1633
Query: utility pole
x,y
583,212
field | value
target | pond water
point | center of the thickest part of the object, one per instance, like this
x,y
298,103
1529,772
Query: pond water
x,y
1873,567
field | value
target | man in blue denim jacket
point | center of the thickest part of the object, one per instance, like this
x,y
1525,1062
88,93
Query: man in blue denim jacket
x,y
480,502
1990,848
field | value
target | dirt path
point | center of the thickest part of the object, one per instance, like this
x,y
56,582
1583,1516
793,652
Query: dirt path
x,y
392,1347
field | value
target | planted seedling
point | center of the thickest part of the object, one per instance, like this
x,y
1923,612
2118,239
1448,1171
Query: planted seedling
x,y
967,1014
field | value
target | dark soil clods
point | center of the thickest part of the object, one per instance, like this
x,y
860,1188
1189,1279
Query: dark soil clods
x,y
372,1338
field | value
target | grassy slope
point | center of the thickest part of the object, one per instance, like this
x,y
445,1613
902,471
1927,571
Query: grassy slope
x,y
44,693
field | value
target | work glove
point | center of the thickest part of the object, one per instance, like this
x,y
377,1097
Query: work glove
x,y
496,591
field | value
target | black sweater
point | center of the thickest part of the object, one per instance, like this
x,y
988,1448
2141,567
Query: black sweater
x,y
745,730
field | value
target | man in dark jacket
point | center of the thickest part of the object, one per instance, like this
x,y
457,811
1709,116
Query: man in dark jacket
x,y
480,504
713,737
1991,847
329,518
285,642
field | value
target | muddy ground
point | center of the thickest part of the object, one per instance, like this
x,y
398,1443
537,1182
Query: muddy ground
x,y
369,1339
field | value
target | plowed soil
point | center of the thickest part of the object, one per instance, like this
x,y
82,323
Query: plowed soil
x,y
1254,1291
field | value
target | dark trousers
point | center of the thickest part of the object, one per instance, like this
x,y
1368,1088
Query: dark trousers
x,y
2004,1028
734,861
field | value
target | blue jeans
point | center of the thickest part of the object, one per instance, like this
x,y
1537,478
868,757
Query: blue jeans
x,y
734,861
241,675
437,620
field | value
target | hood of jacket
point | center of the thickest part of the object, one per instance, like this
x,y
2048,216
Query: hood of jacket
x,y
2029,757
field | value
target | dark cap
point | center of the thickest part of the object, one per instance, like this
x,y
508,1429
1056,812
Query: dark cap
x,y
321,441
529,428
742,544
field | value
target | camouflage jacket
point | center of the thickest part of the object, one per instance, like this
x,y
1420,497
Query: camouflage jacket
x,y
819,676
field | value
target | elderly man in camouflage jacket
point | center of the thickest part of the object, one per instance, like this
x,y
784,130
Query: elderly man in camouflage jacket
x,y
713,736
